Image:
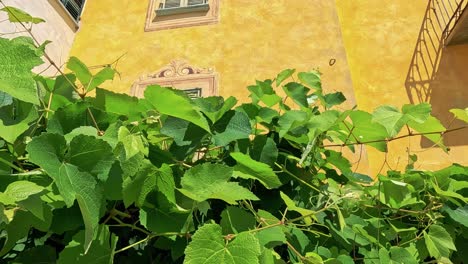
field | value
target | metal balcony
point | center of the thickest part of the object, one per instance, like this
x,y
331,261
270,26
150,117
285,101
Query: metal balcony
x,y
456,31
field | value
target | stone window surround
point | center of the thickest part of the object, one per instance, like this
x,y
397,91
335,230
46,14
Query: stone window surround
x,y
177,74
212,17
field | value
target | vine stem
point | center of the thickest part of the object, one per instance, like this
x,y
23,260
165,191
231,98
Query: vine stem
x,y
11,165
297,178
28,30
148,238
395,138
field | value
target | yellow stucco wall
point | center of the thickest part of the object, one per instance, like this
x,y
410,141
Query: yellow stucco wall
x,y
253,40
380,37
257,39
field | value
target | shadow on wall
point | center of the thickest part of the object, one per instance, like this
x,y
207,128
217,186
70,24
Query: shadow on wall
x,y
438,73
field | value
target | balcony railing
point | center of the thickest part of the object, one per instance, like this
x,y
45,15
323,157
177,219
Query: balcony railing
x,y
440,19
74,8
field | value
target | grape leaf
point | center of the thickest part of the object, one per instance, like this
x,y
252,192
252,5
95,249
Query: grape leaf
x,y
91,154
438,241
461,114
21,190
333,99
16,62
99,78
137,187
283,75
311,79
235,220
101,250
48,152
165,99
214,107
208,247
80,70
297,92
210,181
232,126
18,15
248,168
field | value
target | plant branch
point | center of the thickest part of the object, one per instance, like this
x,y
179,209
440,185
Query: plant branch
x,y
395,138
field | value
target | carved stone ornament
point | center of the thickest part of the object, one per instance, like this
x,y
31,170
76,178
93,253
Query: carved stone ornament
x,y
179,68
179,74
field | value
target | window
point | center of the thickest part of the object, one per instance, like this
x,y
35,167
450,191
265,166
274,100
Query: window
x,y
194,81
173,7
167,14
74,8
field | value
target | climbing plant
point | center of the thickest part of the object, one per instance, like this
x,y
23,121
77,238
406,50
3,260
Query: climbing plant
x,y
111,178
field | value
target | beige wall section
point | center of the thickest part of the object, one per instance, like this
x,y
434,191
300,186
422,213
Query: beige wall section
x,y
59,28
380,37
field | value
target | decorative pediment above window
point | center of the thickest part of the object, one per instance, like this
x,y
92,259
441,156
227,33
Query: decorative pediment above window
x,y
179,74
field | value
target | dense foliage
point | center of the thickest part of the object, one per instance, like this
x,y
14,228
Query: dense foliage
x,y
167,179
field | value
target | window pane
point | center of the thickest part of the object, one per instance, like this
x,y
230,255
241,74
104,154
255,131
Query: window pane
x,y
193,93
196,2
172,3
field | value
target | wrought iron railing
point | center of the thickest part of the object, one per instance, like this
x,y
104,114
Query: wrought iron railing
x,y
74,8
439,20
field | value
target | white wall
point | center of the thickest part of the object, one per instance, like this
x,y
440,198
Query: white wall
x,y
58,28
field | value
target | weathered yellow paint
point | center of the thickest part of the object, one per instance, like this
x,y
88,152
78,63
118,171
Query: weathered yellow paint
x,y
254,40
380,37
257,39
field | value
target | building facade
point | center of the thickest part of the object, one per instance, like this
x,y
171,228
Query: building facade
x,y
375,52
62,22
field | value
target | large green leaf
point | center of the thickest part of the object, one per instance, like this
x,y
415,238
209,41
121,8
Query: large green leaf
x,y
18,15
121,104
20,226
461,114
248,168
15,119
264,150
101,250
459,215
365,130
215,107
297,92
171,103
283,75
232,126
311,79
183,132
431,125
21,190
211,181
333,99
47,151
389,117
208,247
438,241
80,70
291,120
418,113
263,92
393,120
137,187
100,77
91,154
16,62
161,221
235,220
